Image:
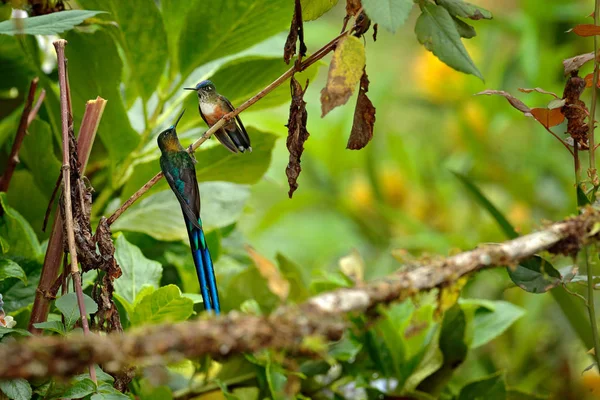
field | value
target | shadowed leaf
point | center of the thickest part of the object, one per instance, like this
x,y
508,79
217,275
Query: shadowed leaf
x,y
463,9
364,117
49,24
345,71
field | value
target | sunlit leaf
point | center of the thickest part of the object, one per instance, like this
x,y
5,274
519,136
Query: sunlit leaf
x,y
391,14
138,271
491,318
163,305
80,389
313,9
49,24
437,31
52,326
10,269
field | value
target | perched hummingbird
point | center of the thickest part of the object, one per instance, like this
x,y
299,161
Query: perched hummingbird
x,y
212,107
178,167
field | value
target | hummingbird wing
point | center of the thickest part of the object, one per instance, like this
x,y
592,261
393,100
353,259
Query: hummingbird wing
x,y
240,126
180,173
221,135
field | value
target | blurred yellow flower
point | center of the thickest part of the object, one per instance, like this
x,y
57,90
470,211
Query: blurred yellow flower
x,y
392,185
360,193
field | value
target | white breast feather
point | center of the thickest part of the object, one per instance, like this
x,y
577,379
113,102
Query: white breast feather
x,y
208,108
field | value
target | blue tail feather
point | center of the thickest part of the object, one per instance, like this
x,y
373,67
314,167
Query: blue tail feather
x,y
204,269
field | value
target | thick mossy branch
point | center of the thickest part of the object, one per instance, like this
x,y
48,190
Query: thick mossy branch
x,y
288,326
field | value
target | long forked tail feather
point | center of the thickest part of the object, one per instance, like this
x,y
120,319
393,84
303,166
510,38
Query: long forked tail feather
x,y
204,268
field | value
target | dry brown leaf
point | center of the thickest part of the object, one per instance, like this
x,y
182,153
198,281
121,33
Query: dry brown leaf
x,y
516,103
589,81
539,90
547,117
345,71
278,285
296,31
297,134
586,30
575,63
364,117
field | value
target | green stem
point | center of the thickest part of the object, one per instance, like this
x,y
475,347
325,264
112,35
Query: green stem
x,y
592,306
592,170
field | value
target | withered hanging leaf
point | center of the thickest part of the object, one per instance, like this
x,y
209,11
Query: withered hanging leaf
x,y
575,111
585,30
575,63
296,31
538,90
589,81
516,103
352,7
345,71
297,133
548,117
375,32
364,117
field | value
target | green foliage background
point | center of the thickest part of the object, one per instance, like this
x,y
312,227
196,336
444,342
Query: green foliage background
x,y
399,193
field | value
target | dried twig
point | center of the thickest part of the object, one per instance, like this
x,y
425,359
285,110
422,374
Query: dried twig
x,y
286,328
322,52
27,116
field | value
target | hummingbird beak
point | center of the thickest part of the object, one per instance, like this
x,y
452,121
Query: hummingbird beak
x,y
189,88
180,115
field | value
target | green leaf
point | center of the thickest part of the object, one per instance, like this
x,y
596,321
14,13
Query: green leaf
x,y
463,9
535,275
491,318
488,388
52,326
345,349
10,269
214,164
222,205
164,305
151,392
246,285
23,193
138,271
293,274
7,331
514,394
390,14
49,24
464,30
174,13
17,232
68,306
230,28
80,389
104,64
16,389
37,153
276,381
142,36
100,374
14,62
437,31
582,198
313,9
107,392
16,294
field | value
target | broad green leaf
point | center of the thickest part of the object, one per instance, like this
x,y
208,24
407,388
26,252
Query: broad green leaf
x,y
143,38
390,14
37,153
242,78
100,374
488,388
211,32
582,198
52,326
346,349
68,306
163,305
246,285
107,392
276,381
16,63
49,24
535,275
345,70
222,205
313,9
15,293
464,30
152,392
104,64
23,193
10,269
437,31
80,389
17,232
138,271
463,9
7,331
174,13
214,164
16,389
491,318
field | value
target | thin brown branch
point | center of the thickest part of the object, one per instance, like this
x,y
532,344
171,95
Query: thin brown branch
x,y
36,107
67,128
13,158
286,327
319,54
51,268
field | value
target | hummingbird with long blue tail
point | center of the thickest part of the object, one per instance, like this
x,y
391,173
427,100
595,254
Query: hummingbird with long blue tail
x,y
178,167
213,107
